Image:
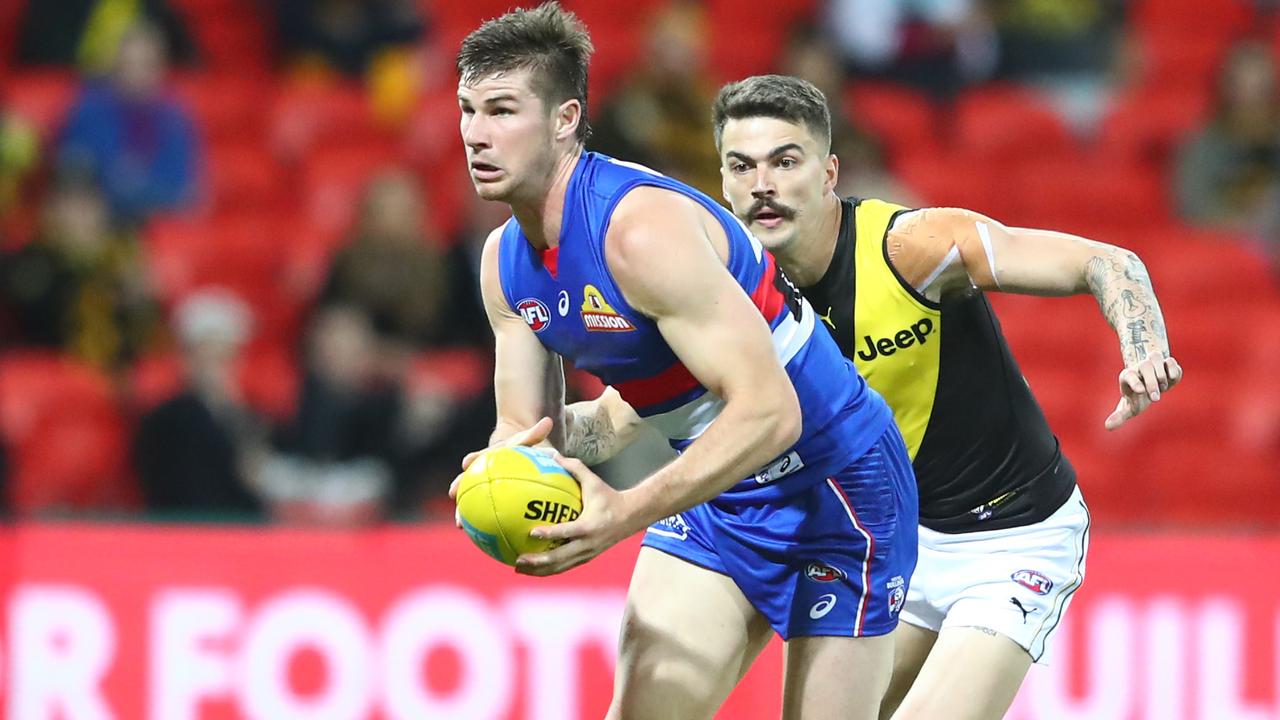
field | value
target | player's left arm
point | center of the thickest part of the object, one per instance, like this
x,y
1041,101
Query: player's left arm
x,y
949,250
668,269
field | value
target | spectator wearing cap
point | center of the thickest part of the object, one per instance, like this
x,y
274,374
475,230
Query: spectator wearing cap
x,y
197,453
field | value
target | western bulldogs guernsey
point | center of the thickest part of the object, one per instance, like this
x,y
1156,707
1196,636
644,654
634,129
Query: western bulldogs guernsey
x,y
822,540
577,311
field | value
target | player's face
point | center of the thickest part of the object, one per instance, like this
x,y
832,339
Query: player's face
x,y
507,132
775,174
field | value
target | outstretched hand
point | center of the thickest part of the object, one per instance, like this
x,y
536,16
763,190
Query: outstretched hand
x,y
536,434
603,523
1141,384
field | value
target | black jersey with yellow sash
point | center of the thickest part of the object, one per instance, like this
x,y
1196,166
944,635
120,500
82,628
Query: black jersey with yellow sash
x,y
984,456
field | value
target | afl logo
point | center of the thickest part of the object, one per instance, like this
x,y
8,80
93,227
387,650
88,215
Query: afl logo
x,y
822,572
535,313
1034,581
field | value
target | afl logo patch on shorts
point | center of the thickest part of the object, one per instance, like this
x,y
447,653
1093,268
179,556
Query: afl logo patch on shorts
x,y
535,313
1034,581
822,572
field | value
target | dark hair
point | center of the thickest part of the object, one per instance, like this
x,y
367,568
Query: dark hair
x,y
548,41
775,96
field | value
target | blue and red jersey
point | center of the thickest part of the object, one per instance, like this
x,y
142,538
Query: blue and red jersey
x,y
569,299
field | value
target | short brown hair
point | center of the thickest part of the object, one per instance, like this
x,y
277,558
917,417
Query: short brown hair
x,y
776,96
548,41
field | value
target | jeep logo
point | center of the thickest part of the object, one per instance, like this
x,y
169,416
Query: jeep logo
x,y
901,340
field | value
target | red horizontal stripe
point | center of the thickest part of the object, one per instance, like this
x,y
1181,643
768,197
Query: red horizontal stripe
x,y
675,380
766,295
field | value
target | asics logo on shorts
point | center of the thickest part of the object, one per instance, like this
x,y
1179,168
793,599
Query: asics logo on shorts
x,y
823,606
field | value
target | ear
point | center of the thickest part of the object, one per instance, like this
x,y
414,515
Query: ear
x,y
568,117
832,173
724,184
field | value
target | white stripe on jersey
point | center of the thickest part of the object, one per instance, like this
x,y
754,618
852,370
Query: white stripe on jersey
x,y
790,336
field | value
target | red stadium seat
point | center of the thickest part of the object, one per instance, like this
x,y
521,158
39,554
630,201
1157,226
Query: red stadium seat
x,y
1219,18
42,97
1058,193
1181,59
233,37
1009,122
1148,125
245,253
900,117
333,183
245,176
154,379
1207,270
949,179
306,116
66,436
227,106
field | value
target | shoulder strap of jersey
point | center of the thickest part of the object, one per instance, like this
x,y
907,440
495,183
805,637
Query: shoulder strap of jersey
x,y
872,222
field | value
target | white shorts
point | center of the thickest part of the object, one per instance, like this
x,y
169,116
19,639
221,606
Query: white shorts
x,y
1016,581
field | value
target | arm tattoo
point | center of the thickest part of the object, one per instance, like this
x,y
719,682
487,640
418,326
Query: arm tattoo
x,y
592,438
1119,281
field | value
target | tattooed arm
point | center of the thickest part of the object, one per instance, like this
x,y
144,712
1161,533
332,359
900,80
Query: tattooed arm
x,y
599,429
947,250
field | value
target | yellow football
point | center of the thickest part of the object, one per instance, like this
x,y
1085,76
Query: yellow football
x,y
509,491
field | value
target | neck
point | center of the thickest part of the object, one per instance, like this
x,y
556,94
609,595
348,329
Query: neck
x,y
807,258
540,215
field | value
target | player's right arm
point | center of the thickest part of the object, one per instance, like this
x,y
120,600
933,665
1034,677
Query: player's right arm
x,y
528,378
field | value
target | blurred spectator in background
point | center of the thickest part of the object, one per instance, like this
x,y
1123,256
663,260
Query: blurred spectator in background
x,y
86,33
200,451
19,152
80,285
863,171
392,316
347,36
392,270
139,143
938,46
659,116
339,457
1065,47
1228,172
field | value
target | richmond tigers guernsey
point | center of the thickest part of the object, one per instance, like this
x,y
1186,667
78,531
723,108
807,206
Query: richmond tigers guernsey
x,y
983,453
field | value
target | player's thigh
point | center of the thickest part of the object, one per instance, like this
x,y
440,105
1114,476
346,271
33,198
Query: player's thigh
x,y
911,645
836,677
971,674
687,632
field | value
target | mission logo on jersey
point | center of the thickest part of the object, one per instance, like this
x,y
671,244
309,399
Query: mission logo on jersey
x,y
598,316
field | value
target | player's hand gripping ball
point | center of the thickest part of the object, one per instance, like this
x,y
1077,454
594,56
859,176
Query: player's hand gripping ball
x,y
509,491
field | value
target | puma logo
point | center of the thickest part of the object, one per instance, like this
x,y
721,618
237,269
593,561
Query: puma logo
x,y
827,318
1026,612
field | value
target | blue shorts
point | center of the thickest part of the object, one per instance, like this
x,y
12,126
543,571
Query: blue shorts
x,y
832,559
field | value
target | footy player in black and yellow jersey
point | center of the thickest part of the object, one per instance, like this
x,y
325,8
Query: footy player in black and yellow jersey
x,y
1004,530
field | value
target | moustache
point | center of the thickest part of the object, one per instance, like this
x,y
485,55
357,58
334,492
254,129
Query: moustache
x,y
762,204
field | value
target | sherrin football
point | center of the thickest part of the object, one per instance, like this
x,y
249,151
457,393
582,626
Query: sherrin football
x,y
508,491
